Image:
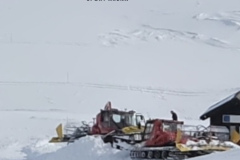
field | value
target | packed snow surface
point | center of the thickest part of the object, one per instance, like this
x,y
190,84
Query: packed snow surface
x,y
61,61
231,155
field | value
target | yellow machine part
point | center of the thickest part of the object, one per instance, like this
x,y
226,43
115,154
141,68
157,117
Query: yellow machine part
x,y
132,130
235,137
179,136
185,148
59,131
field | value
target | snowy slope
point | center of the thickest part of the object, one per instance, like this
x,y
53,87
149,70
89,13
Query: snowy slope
x,y
63,60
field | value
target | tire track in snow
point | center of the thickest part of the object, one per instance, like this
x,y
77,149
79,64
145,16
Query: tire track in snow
x,y
8,39
132,88
35,110
151,90
142,89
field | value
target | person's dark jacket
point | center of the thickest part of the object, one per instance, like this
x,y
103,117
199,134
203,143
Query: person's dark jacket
x,y
174,116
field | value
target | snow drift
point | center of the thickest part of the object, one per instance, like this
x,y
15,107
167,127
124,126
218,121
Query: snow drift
x,y
87,148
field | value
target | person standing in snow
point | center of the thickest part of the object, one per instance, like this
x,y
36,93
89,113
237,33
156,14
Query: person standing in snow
x,y
174,116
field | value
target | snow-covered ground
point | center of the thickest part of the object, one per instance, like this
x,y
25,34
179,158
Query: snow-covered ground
x,y
232,155
63,60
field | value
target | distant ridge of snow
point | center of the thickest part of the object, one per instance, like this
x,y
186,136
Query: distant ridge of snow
x,y
231,18
150,33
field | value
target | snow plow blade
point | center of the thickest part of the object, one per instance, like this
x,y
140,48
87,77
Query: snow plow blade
x,y
61,137
188,148
59,140
73,133
199,138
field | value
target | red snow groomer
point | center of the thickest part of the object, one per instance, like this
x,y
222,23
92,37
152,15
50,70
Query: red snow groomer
x,y
168,139
112,124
